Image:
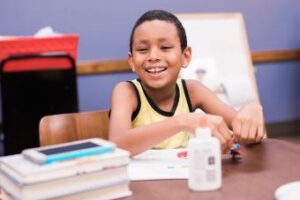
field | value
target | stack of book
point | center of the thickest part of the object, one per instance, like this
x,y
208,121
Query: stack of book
x,y
94,177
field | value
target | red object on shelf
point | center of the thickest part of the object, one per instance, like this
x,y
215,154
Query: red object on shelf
x,y
24,46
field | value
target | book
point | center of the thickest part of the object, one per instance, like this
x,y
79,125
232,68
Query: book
x,y
24,172
65,186
112,192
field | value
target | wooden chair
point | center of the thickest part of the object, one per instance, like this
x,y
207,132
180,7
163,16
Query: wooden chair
x,y
60,128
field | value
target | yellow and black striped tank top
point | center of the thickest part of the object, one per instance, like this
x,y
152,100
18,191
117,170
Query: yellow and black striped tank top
x,y
148,112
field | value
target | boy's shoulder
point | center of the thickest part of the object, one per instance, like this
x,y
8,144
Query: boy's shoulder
x,y
192,84
123,93
194,88
123,86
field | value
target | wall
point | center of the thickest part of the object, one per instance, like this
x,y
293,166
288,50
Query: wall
x,y
104,28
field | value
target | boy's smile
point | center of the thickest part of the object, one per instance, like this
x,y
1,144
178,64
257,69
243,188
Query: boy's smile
x,y
156,72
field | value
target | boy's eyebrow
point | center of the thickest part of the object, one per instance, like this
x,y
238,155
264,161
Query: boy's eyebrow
x,y
141,42
162,39
145,41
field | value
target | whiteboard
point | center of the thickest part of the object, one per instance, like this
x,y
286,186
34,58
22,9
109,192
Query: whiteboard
x,y
220,56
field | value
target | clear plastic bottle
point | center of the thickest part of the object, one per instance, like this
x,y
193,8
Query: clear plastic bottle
x,y
204,157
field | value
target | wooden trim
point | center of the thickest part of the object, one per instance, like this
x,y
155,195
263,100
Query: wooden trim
x,y
275,56
101,67
116,66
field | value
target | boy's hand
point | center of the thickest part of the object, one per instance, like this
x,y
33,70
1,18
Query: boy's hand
x,y
219,128
221,131
248,124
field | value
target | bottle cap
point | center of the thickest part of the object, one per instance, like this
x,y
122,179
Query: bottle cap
x,y
203,132
203,121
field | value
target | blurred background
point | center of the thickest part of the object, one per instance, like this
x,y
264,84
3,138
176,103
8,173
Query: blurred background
x,y
104,28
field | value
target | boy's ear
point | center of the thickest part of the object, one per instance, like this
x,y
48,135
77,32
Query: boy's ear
x,y
187,56
130,61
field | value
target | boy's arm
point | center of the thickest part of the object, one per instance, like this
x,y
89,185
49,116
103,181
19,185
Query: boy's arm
x,y
202,97
247,123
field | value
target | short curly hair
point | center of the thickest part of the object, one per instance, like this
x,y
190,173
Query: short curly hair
x,y
163,16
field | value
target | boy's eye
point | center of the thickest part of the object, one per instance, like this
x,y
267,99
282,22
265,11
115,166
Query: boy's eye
x,y
166,47
142,50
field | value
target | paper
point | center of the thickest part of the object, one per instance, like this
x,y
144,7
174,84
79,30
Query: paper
x,y
238,90
46,32
232,87
204,70
158,165
220,56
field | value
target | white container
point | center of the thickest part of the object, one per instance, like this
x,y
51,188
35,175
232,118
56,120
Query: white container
x,y
204,157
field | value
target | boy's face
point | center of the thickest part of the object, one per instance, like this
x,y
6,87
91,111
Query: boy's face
x,y
156,53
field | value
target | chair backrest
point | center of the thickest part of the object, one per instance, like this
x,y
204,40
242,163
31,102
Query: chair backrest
x,y
60,128
33,86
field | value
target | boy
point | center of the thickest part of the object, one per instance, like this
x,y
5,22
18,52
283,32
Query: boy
x,y
156,110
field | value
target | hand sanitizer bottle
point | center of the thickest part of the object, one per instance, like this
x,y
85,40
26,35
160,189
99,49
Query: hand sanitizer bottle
x,y
204,158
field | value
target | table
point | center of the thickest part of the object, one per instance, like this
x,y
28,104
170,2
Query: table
x,y
263,168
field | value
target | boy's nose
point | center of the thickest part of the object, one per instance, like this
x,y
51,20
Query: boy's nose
x,y
153,55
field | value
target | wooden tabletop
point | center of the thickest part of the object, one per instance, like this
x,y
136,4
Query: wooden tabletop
x,y
263,168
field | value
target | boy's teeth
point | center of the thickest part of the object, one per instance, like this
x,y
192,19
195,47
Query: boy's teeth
x,y
156,69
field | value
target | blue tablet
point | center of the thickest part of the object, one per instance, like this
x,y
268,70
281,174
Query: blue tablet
x,y
70,150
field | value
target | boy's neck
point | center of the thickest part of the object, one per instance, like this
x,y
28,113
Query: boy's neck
x,y
163,97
